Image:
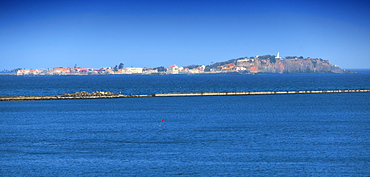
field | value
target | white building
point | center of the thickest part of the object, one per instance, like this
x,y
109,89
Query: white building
x,y
173,69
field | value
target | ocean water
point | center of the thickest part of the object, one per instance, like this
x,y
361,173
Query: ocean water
x,y
149,84
252,135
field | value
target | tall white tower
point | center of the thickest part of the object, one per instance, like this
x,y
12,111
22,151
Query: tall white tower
x,y
278,55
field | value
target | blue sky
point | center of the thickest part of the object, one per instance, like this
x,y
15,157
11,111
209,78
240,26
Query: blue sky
x,y
47,34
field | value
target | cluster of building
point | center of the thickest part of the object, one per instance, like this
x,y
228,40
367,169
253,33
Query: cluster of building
x,y
108,70
81,71
174,69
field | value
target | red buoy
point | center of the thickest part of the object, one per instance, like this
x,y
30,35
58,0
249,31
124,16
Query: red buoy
x,y
162,120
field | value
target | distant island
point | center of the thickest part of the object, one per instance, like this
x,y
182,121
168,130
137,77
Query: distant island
x,y
245,65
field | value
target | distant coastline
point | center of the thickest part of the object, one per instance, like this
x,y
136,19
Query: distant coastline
x,y
267,64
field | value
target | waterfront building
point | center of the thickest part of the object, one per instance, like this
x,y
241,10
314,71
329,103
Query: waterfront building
x,y
174,69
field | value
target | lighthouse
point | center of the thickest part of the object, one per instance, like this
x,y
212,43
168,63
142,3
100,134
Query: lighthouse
x,y
278,55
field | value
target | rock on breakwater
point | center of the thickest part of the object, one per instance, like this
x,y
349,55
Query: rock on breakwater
x,y
77,95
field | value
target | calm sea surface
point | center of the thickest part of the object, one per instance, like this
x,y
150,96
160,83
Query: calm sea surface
x,y
253,135
148,84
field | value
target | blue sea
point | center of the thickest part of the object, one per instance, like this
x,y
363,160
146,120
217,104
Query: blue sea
x,y
251,135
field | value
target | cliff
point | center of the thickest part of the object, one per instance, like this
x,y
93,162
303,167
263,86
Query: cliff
x,y
272,64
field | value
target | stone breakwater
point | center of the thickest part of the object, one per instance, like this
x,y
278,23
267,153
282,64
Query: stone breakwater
x,y
77,95
254,93
104,95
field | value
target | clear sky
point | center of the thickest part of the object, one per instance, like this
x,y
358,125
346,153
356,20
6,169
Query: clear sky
x,y
62,33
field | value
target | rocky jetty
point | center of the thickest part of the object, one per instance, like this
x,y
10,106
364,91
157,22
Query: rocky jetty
x,y
101,95
87,94
77,95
